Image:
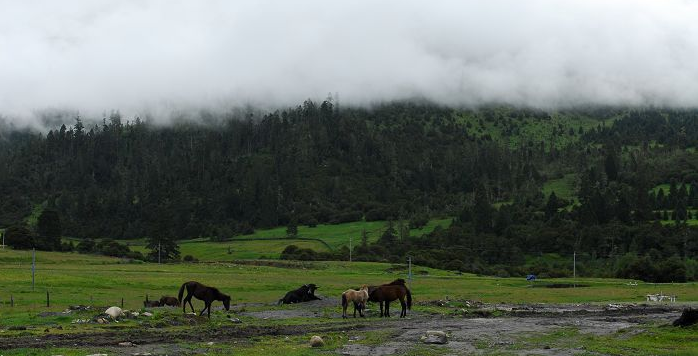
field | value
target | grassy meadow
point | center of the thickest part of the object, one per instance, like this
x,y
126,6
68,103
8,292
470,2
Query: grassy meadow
x,y
80,279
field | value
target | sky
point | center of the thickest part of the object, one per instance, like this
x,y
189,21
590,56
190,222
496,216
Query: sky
x,y
159,57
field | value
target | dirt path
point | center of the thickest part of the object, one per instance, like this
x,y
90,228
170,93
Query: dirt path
x,y
481,335
467,334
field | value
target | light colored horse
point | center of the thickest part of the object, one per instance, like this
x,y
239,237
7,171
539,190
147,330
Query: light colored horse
x,y
358,297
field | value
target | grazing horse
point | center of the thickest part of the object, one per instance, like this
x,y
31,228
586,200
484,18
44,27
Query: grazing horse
x,y
389,292
169,301
202,292
305,293
358,297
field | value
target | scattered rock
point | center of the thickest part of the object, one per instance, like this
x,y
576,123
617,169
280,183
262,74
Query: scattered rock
x,y
688,317
126,344
142,354
102,321
435,337
235,321
114,312
316,341
97,355
210,343
79,307
148,314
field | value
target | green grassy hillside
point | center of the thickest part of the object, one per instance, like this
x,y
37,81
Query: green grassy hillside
x,y
269,243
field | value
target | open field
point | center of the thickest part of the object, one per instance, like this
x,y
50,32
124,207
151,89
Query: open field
x,y
269,243
255,286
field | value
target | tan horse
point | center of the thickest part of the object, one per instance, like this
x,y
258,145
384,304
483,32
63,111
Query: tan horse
x,y
358,297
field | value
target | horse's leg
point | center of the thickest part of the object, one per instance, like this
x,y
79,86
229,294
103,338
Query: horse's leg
x,y
403,313
344,310
190,304
354,310
188,299
381,304
206,306
387,309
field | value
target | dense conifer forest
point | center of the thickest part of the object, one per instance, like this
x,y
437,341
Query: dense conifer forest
x,y
616,186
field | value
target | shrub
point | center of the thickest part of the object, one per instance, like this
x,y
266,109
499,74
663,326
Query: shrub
x,y
19,237
86,246
189,258
312,222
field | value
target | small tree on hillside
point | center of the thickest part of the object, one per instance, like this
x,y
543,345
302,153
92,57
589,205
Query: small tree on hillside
x,y
49,231
389,235
166,248
292,228
19,237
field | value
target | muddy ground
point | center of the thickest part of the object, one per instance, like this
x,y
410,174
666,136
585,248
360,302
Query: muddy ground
x,y
472,328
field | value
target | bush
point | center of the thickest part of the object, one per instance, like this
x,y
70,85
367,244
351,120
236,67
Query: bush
x,y
86,246
189,258
112,248
312,222
244,228
346,217
419,221
19,237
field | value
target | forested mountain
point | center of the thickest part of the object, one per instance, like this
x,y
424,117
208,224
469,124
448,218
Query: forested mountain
x,y
633,196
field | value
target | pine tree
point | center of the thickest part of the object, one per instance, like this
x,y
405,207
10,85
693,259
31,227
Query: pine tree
x,y
49,231
292,228
551,206
482,211
162,249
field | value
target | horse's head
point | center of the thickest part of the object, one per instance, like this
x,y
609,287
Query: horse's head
x,y
311,288
226,302
364,287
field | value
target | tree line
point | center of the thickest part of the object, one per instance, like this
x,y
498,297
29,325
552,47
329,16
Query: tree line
x,y
315,164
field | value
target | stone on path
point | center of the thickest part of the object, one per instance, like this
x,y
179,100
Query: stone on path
x,y
316,341
435,337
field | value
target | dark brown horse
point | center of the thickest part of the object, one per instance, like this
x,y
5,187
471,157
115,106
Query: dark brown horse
x,y
202,292
390,292
169,301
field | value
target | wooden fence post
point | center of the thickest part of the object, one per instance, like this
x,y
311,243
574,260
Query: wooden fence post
x,y
47,300
12,301
122,303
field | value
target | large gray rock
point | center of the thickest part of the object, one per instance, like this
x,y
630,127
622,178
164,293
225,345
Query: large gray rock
x,y
435,337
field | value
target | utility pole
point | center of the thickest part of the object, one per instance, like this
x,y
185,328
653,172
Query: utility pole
x,y
409,271
158,251
349,248
574,268
33,266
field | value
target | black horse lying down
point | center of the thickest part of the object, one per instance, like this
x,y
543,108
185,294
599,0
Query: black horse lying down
x,y
305,293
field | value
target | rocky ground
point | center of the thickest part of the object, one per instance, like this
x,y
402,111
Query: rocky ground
x,y
470,328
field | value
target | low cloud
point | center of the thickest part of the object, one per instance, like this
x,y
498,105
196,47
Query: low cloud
x,y
161,56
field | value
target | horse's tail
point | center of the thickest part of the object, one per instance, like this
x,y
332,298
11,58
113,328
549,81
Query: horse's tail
x,y
181,293
409,298
344,299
